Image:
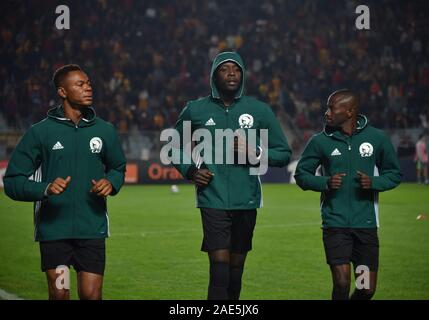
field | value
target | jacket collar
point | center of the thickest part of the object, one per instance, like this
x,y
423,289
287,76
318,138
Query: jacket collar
x,y
57,113
362,122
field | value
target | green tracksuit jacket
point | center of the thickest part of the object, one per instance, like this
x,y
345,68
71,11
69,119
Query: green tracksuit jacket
x,y
232,188
53,148
368,150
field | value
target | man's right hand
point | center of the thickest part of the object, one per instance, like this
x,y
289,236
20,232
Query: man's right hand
x,y
202,177
335,181
58,186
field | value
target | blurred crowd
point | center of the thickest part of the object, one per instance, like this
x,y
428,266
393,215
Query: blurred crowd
x,y
147,58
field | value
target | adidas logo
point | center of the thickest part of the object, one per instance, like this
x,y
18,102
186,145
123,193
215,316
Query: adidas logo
x,y
336,152
57,146
210,122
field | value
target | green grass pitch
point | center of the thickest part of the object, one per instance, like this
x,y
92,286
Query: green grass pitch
x,y
154,248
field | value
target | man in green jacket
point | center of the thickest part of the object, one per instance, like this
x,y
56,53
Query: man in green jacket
x,y
68,164
357,161
228,193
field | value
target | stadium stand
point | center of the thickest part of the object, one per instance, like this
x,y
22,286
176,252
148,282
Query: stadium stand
x,y
147,58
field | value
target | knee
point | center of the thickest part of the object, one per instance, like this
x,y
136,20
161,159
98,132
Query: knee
x,y
237,261
90,293
342,284
55,294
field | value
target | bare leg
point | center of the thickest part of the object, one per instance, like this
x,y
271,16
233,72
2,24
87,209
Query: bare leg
x,y
89,285
366,294
340,281
425,173
56,293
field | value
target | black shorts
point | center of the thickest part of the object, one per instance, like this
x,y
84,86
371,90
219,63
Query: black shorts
x,y
345,245
88,255
228,229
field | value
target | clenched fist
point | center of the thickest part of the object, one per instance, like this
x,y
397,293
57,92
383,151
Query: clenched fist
x,y
58,186
336,180
365,180
102,187
202,177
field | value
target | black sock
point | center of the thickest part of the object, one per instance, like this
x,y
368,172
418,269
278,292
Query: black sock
x,y
361,295
340,293
234,288
219,281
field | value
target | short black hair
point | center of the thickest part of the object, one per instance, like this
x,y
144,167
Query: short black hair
x,y
61,72
348,94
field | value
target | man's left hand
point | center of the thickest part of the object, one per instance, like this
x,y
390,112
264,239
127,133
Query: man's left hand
x,y
102,187
365,180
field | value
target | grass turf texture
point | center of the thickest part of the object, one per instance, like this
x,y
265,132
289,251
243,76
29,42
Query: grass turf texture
x,y
153,251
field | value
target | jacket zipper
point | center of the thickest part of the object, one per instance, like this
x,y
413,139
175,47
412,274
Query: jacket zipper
x,y
75,174
349,142
227,174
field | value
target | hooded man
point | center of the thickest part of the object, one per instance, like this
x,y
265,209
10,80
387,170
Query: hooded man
x,y
357,161
228,193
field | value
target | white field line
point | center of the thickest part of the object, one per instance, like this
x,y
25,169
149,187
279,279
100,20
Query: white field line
x,y
180,231
8,296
